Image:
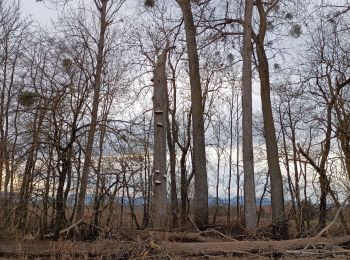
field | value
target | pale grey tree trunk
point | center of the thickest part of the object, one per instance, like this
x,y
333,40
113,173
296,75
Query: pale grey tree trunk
x,y
160,106
248,159
199,157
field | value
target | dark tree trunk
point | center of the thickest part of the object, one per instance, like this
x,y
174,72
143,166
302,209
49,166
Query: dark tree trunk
x,y
184,180
199,157
172,137
280,229
60,216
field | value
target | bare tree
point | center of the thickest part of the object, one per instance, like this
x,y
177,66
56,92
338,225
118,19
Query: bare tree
x,y
106,10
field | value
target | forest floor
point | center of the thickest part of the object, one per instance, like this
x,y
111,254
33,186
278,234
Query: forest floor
x,y
178,245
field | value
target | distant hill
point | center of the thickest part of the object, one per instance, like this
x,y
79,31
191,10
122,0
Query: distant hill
x,y
224,201
89,199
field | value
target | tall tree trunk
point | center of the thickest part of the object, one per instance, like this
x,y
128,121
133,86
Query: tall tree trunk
x,y
248,159
160,106
238,176
100,178
230,162
280,229
3,116
94,113
199,157
172,137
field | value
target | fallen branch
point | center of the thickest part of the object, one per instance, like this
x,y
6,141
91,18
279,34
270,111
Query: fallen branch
x,y
218,233
335,218
75,225
211,230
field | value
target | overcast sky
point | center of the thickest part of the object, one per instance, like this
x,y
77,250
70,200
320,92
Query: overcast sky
x,y
45,11
40,11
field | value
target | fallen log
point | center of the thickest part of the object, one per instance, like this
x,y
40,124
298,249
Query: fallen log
x,y
65,249
119,249
37,248
254,247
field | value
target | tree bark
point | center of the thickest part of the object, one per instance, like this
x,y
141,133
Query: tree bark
x,y
248,159
184,180
280,229
199,157
230,162
160,106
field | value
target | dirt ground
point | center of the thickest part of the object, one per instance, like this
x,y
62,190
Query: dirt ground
x,y
167,246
